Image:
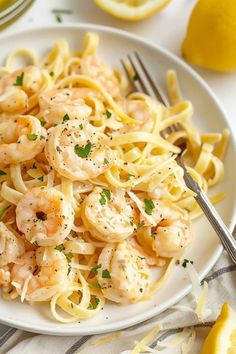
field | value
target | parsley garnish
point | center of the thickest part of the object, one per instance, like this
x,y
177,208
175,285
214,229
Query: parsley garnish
x,y
66,118
81,126
41,178
95,269
94,303
32,137
135,77
42,123
185,262
51,73
108,114
149,206
83,151
141,257
59,248
69,256
69,270
106,274
153,235
106,162
97,286
105,195
2,173
129,175
3,211
19,80
59,19
141,224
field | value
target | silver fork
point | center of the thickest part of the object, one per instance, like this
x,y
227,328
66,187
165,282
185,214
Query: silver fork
x,y
152,89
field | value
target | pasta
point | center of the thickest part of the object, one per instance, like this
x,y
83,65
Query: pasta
x,y
91,197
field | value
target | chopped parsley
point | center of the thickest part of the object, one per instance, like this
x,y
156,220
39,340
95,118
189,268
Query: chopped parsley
x,y
97,286
83,151
94,303
106,162
19,80
62,11
51,73
32,137
3,211
41,178
140,224
95,269
135,77
185,262
141,257
59,248
188,210
129,175
153,235
69,256
149,206
106,274
2,173
42,123
81,126
105,195
59,19
69,270
108,114
66,118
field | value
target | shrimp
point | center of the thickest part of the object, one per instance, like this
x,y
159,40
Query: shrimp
x,y
5,276
98,69
107,215
21,139
76,151
44,216
171,234
16,87
124,275
11,246
55,104
39,274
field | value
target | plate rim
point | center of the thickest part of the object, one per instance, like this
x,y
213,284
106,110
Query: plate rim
x,y
121,324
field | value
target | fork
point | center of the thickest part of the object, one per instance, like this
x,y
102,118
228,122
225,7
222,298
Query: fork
x,y
153,89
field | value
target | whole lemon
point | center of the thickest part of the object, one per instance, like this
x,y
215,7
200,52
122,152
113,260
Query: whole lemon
x,y
211,35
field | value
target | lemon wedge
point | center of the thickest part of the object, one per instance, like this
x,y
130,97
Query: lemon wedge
x,y
222,337
132,10
210,40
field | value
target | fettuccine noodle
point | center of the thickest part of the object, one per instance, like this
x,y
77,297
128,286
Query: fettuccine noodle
x,y
91,196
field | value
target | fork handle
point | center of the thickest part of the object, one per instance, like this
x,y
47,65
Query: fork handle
x,y
217,223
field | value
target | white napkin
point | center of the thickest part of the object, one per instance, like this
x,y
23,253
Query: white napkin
x,y
221,281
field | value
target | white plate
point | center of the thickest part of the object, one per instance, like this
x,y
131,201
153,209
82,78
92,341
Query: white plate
x,y
209,116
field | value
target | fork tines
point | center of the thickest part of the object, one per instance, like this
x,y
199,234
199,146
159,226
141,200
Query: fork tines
x,y
141,79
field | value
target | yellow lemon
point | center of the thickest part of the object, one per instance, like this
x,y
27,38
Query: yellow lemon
x,y
211,35
132,9
222,337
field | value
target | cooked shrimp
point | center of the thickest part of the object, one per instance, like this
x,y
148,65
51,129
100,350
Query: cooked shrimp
x,y
5,276
76,151
17,86
51,269
55,104
98,69
21,139
124,275
171,234
107,215
141,111
11,246
44,216
13,100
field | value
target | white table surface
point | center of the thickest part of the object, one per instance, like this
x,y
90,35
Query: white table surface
x,y
166,29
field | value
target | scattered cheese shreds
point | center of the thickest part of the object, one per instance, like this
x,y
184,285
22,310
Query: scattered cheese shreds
x,y
147,339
